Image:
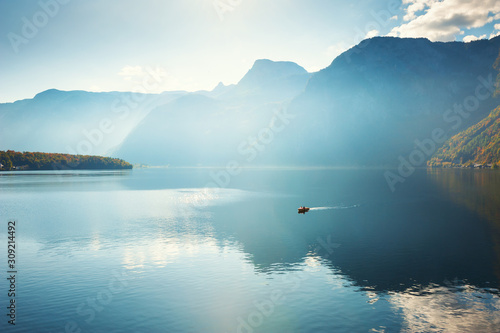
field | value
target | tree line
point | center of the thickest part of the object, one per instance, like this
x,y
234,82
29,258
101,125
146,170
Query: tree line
x,y
12,160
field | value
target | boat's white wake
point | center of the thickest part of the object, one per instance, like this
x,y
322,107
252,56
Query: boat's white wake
x,y
335,207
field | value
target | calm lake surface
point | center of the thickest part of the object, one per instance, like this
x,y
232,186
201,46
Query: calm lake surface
x,y
154,250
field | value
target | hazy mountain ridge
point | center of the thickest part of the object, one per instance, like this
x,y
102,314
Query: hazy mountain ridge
x,y
367,108
69,121
371,104
269,81
200,130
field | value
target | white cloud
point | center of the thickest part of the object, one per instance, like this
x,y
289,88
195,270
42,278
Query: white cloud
x,y
496,32
371,33
444,20
150,79
395,17
471,38
415,6
129,72
95,88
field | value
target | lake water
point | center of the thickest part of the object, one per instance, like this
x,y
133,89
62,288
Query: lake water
x,y
153,250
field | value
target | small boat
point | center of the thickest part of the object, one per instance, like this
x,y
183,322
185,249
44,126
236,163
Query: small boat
x,y
303,210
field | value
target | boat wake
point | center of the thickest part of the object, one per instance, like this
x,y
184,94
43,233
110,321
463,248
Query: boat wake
x,y
335,207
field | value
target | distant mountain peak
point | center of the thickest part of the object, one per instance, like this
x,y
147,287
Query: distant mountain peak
x,y
48,93
220,86
264,70
285,67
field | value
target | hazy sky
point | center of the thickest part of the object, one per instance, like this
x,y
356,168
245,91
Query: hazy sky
x,y
105,45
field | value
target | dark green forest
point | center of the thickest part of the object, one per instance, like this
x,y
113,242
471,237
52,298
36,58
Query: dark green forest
x,y
12,160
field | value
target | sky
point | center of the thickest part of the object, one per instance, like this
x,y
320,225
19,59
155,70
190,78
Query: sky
x,y
124,45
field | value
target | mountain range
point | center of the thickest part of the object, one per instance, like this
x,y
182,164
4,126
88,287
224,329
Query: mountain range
x,y
74,121
375,100
369,107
